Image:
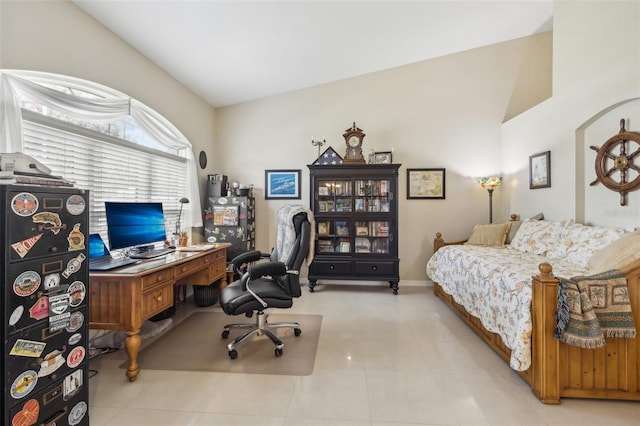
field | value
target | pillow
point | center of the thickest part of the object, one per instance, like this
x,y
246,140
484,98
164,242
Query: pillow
x,y
493,235
515,225
578,242
537,236
539,216
619,253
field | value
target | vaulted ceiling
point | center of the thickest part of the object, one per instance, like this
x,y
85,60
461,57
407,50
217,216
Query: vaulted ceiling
x,y
235,51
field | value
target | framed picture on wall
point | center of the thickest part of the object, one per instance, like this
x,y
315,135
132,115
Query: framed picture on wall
x,y
282,184
540,170
425,184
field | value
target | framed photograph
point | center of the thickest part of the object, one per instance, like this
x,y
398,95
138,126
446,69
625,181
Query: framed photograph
x,y
282,184
540,170
322,206
426,184
323,228
385,157
342,229
362,231
323,190
345,246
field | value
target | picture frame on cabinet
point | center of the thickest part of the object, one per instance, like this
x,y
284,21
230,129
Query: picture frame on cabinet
x,y
384,157
282,184
540,170
342,229
323,229
362,231
426,183
345,246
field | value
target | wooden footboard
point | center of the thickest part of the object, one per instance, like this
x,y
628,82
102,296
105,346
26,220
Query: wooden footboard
x,y
560,370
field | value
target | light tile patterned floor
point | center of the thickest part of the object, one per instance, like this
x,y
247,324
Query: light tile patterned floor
x,y
382,360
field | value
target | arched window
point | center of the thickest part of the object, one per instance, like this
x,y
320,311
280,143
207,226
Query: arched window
x,y
102,140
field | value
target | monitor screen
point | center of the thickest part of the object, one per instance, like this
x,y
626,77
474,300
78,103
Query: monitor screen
x,y
133,224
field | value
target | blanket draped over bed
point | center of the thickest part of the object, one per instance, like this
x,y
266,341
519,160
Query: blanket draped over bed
x,y
592,308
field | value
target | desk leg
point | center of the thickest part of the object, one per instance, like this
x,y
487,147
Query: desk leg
x,y
132,344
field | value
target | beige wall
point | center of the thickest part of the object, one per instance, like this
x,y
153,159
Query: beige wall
x,y
445,112
596,57
58,37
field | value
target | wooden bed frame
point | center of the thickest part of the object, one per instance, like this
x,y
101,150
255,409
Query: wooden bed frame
x,y
559,370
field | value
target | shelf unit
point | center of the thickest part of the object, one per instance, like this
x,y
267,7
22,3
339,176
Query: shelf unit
x,y
231,219
356,213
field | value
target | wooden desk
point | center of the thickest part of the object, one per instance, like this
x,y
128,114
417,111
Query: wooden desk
x,y
124,298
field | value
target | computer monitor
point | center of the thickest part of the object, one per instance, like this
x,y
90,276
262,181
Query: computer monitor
x,y
134,224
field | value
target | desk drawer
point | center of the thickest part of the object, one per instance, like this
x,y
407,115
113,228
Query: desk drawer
x,y
220,255
153,280
186,268
218,269
157,300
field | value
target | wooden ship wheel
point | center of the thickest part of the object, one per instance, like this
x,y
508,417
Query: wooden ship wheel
x,y
617,170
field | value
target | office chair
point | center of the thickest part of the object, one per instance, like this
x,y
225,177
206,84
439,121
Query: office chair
x,y
270,284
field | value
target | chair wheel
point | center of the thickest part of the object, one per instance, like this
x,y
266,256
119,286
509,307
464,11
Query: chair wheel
x,y
233,354
225,334
297,332
278,352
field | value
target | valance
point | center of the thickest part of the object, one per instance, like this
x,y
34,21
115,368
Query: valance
x,y
105,105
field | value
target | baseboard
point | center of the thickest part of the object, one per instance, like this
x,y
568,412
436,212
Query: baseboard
x,y
405,283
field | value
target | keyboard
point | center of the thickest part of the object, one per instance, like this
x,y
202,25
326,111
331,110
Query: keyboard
x,y
105,265
150,254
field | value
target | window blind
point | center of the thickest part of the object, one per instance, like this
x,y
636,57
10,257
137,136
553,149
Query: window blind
x,y
110,168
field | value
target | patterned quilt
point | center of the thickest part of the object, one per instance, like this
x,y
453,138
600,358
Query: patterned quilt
x,y
494,285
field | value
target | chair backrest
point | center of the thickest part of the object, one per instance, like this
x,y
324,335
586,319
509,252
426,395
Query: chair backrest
x,y
298,253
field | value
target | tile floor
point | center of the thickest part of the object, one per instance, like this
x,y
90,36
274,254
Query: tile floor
x,y
382,360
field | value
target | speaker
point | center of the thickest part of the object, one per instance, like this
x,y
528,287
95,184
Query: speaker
x,y
217,185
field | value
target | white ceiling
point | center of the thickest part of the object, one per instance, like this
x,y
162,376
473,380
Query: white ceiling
x,y
234,51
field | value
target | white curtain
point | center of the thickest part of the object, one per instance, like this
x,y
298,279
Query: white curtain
x,y
16,86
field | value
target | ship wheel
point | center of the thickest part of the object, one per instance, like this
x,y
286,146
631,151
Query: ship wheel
x,y
617,171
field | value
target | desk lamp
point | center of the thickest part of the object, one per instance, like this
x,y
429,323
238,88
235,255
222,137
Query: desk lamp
x,y
490,183
183,201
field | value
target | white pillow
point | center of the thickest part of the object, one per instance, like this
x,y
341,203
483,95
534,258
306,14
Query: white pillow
x,y
579,242
537,236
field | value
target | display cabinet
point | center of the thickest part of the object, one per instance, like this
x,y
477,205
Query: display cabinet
x,y
44,308
231,219
356,213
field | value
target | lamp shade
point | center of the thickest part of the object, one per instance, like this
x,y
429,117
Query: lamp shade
x,y
490,183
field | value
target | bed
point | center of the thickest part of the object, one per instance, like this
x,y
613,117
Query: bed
x,y
553,369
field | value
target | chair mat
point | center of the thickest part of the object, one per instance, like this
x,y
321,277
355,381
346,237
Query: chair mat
x,y
195,344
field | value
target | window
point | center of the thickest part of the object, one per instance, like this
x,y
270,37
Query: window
x,y
103,141
110,168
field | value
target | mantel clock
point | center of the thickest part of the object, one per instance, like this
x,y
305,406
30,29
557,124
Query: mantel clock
x,y
353,138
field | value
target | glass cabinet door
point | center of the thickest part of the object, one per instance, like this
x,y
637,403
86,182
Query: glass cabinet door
x,y
372,236
372,196
334,196
334,236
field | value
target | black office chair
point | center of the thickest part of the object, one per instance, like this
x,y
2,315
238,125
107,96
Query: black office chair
x,y
271,284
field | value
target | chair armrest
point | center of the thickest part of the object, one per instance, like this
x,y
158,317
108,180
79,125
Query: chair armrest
x,y
266,268
241,259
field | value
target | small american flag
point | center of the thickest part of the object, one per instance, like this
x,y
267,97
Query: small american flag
x,y
328,158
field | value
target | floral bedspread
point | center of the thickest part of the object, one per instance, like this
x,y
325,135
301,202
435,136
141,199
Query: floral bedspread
x,y
494,285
